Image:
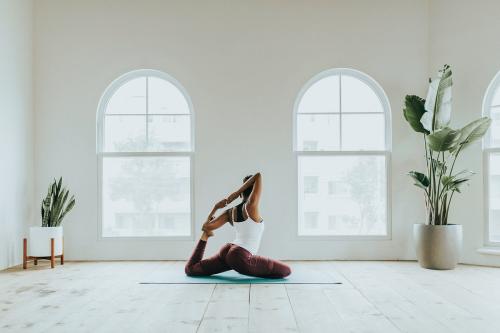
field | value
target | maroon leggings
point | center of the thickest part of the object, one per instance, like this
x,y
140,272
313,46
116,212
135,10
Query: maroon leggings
x,y
232,256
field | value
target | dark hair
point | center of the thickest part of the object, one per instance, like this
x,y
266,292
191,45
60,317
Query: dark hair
x,y
246,193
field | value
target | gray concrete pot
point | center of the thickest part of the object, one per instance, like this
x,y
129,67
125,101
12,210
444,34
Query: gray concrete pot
x,y
438,246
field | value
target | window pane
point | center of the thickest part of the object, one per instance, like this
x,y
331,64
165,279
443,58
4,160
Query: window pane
x,y
165,98
125,133
318,132
311,220
496,97
310,184
494,136
357,96
169,133
494,198
321,97
146,196
363,132
350,198
129,98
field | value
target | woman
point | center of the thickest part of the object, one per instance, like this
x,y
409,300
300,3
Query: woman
x,y
239,255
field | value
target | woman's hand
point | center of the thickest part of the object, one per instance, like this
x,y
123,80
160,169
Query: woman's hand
x,y
233,196
221,204
204,226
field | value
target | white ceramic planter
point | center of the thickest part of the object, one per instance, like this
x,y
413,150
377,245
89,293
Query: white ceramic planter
x,y
39,241
438,246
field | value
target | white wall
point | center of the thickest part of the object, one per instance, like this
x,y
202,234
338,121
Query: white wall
x,y
243,63
16,127
465,34
240,62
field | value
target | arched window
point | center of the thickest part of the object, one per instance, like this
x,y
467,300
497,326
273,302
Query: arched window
x,y
491,108
342,141
145,147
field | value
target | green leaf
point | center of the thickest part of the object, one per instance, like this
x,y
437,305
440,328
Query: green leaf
x,y
443,139
413,111
455,182
45,209
440,167
438,101
59,184
55,205
70,206
472,133
421,180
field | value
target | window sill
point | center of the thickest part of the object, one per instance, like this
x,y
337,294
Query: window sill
x,y
489,250
145,238
344,237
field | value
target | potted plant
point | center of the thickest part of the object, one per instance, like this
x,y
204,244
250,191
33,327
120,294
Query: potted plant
x,y
439,243
55,206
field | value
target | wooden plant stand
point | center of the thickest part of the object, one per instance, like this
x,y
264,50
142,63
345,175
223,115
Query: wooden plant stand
x,y
52,257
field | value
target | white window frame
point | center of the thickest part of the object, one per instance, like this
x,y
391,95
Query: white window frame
x,y
101,112
379,91
487,151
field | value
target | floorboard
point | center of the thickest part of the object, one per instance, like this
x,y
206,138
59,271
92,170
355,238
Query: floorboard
x,y
373,297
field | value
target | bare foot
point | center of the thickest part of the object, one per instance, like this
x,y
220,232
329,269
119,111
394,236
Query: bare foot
x,y
206,234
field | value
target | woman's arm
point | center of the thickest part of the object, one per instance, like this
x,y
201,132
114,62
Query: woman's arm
x,y
213,223
252,203
256,181
217,206
254,197
217,222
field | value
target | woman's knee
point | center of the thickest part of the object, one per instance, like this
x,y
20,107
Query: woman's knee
x,y
188,270
281,270
286,270
193,269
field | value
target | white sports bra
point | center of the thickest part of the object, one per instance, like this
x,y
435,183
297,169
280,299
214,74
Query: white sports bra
x,y
248,234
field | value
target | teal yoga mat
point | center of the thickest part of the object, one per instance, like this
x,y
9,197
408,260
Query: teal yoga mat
x,y
298,276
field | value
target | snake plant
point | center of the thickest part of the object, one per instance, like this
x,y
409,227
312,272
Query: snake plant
x,y
442,144
55,206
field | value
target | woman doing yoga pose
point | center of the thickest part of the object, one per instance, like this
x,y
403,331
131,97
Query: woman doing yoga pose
x,y
239,255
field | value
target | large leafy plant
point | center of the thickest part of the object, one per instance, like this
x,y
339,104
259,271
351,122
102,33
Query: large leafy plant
x,y
442,144
55,206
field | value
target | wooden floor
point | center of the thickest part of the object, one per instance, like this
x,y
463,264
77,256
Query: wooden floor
x,y
374,297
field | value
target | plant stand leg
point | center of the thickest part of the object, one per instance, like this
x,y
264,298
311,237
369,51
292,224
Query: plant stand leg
x,y
52,257
25,253
35,261
62,254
